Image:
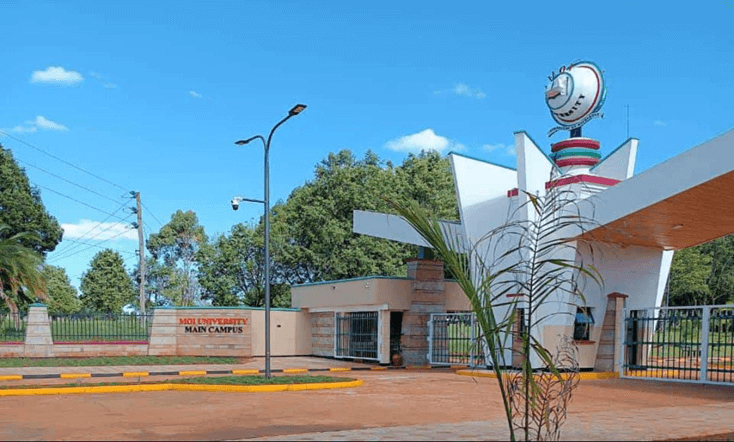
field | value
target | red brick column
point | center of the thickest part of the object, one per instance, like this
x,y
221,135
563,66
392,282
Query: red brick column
x,y
428,296
607,353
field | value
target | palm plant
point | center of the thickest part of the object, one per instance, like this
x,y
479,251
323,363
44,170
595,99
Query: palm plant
x,y
20,276
533,254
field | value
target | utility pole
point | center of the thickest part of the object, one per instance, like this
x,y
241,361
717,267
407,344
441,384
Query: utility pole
x,y
141,250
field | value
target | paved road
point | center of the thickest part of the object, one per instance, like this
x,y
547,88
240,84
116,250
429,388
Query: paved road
x,y
390,405
662,423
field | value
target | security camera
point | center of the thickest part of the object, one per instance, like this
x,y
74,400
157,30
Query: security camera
x,y
235,204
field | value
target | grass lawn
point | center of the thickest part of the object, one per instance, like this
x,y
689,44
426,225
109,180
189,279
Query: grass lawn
x,y
114,360
214,380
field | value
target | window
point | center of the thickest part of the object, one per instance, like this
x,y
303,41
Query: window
x,y
582,324
356,335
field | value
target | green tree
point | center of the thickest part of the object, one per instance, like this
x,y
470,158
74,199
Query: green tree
x,y
427,179
20,280
23,210
312,230
721,279
62,296
174,248
231,270
689,274
106,286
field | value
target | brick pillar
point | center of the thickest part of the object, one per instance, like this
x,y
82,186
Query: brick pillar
x,y
38,341
162,341
428,296
608,351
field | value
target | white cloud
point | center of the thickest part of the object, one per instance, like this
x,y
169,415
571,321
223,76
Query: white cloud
x,y
423,140
56,75
23,129
195,94
507,149
101,232
46,124
102,79
464,90
659,123
40,122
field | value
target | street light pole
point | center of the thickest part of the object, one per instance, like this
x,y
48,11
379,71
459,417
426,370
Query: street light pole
x,y
297,109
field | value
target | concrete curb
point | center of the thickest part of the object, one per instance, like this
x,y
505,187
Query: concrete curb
x,y
585,376
133,374
178,387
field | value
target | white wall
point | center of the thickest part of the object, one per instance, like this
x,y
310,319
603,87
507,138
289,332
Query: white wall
x,y
620,163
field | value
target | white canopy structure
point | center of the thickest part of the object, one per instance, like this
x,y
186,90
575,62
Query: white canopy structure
x,y
684,201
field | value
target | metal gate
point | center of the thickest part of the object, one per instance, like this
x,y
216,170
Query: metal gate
x,y
455,338
691,344
357,335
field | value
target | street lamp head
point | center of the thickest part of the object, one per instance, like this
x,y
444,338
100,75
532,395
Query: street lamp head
x,y
243,142
297,109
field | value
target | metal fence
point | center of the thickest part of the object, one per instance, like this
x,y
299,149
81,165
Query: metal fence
x,y
694,344
356,335
12,327
101,327
455,339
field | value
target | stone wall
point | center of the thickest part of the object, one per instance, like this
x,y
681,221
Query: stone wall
x,y
196,331
12,350
162,340
322,334
89,350
215,332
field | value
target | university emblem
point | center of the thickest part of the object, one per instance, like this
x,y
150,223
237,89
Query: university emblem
x,y
575,96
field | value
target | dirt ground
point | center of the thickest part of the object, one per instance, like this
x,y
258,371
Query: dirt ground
x,y
391,398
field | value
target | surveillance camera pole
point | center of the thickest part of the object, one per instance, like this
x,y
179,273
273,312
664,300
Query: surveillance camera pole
x,y
239,199
266,144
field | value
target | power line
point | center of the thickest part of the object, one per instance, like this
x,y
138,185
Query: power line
x,y
68,255
126,258
56,258
86,239
69,181
76,200
63,252
151,214
147,227
60,159
92,245
83,235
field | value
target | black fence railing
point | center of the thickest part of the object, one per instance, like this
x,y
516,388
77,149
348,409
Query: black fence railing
x,y
356,335
101,327
720,354
455,339
682,343
12,327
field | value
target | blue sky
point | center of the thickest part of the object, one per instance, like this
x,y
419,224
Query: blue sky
x,y
152,96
